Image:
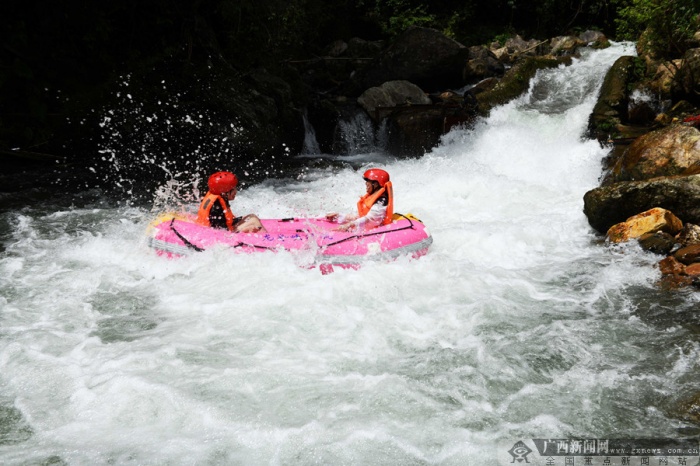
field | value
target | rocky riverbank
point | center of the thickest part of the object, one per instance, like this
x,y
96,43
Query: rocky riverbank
x,y
424,83
650,188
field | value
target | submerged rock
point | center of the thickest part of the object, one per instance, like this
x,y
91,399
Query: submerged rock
x,y
658,242
688,255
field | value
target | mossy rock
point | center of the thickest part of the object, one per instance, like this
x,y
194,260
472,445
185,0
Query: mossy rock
x,y
13,427
516,81
611,109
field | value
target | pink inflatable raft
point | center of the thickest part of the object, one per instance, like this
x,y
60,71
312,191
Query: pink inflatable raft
x,y
178,235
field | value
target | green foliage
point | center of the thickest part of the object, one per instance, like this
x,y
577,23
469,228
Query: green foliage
x,y
638,73
398,15
668,25
502,38
469,23
567,16
245,28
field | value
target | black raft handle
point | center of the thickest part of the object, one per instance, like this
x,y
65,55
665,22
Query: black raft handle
x,y
198,249
183,239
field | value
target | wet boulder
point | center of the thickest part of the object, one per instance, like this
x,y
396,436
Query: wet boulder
x,y
611,108
670,266
674,150
690,234
643,107
391,94
658,242
412,132
414,125
661,84
648,222
676,275
683,265
595,39
565,45
515,82
693,270
607,205
688,254
641,112
516,48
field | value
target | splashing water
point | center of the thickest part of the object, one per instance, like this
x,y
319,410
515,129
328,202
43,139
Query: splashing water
x,y
519,323
145,143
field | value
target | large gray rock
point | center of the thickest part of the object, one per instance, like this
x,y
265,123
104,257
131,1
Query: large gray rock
x,y
565,45
517,48
415,131
392,94
595,39
606,206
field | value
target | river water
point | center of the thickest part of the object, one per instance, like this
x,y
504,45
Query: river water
x,y
519,322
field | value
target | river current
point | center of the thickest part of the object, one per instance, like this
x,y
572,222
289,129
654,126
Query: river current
x,y
519,323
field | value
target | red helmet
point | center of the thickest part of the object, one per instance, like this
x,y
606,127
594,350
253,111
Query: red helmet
x,y
222,182
378,175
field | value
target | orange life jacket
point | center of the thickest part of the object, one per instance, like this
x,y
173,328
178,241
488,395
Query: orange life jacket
x,y
205,209
368,200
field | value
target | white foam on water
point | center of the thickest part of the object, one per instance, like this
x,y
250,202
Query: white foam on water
x,y
519,323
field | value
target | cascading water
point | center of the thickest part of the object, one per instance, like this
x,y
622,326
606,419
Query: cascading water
x,y
310,146
519,323
358,139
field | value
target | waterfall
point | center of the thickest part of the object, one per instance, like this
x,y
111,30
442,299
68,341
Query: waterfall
x,y
356,135
310,146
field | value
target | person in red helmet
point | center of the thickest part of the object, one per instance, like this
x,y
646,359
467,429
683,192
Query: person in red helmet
x,y
215,211
375,208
